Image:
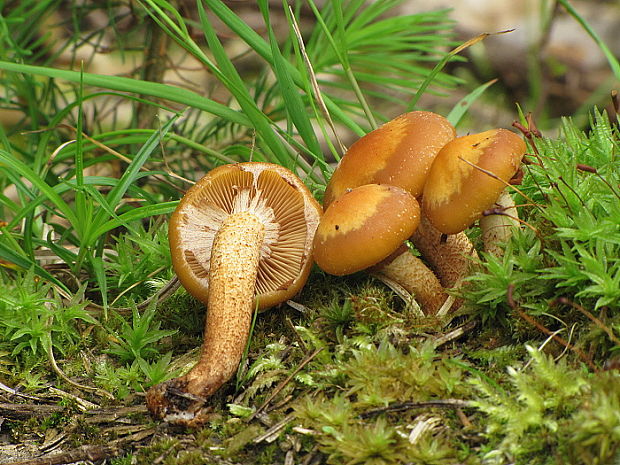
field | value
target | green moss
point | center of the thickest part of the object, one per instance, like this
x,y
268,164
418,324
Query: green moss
x,y
267,455
157,450
377,377
565,258
596,435
234,444
551,406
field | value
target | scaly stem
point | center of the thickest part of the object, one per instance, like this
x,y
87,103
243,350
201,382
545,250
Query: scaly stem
x,y
234,267
451,258
411,273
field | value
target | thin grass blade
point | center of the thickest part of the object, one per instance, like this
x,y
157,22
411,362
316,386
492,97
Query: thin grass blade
x,y
611,58
138,213
24,262
439,66
261,123
123,84
294,104
463,105
24,170
260,46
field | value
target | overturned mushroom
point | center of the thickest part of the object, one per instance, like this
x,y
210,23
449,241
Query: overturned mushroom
x,y
240,239
366,227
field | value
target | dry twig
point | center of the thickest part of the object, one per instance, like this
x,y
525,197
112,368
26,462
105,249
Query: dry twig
x,y
284,382
403,406
531,320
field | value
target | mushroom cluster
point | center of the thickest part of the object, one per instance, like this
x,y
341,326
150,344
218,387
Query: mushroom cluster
x,y
241,239
412,178
244,236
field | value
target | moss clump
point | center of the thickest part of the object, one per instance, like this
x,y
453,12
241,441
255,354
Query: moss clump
x,y
380,376
551,406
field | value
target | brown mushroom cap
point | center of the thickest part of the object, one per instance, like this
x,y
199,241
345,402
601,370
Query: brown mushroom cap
x,y
457,192
364,226
272,193
399,153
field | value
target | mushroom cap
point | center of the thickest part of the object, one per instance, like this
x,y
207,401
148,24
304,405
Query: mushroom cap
x,y
399,153
456,192
364,226
277,197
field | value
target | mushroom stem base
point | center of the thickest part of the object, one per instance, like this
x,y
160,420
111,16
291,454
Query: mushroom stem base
x,y
412,274
496,229
233,271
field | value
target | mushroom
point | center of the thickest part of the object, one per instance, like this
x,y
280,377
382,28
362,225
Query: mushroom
x,y
364,228
399,153
467,176
240,239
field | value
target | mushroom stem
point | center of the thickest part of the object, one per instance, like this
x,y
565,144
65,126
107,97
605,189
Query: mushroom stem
x,y
496,227
234,267
449,258
412,274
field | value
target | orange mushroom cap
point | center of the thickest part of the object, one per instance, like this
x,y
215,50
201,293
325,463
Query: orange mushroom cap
x,y
399,153
467,176
363,227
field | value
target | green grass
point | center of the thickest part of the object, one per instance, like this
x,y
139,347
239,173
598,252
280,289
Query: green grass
x,y
85,194
571,246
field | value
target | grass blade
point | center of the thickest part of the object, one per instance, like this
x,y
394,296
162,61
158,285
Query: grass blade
x,y
343,57
24,170
463,105
9,254
261,47
236,86
99,270
123,84
295,107
82,210
439,66
132,171
613,61
138,213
